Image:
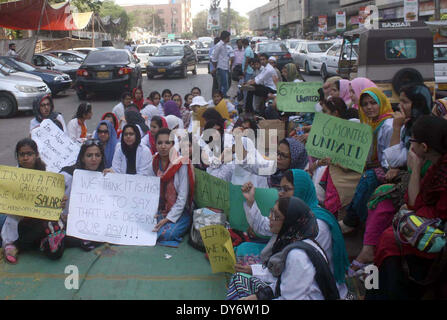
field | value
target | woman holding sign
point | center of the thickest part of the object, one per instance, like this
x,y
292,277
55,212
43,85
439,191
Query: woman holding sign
x,y
22,232
375,110
176,190
44,109
294,265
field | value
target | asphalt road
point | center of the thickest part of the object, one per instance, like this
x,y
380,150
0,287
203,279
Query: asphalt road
x,y
14,129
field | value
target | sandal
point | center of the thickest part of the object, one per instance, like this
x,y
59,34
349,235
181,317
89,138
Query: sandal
x,y
346,230
11,254
359,271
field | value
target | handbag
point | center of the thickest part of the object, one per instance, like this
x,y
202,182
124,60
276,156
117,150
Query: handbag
x,y
419,232
202,218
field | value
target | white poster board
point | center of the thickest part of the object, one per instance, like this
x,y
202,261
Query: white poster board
x,y
113,208
340,21
213,21
411,10
56,148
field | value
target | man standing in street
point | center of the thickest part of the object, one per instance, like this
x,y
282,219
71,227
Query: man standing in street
x,y
215,85
248,57
12,50
238,54
221,62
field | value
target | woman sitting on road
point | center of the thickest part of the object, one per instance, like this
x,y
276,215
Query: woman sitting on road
x,y
111,117
120,108
20,233
107,135
176,190
149,139
76,128
152,109
44,109
294,267
356,87
138,98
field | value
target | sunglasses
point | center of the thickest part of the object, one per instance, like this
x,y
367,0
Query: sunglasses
x,y
92,142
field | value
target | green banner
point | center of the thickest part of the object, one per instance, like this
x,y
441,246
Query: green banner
x,y
297,96
265,199
211,192
344,142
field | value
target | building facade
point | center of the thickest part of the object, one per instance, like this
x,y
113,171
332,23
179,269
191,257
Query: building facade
x,y
176,15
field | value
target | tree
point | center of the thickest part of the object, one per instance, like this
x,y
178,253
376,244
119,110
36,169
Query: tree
x,y
199,24
186,35
238,22
109,8
147,19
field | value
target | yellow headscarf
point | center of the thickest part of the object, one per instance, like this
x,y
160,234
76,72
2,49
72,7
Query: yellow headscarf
x,y
386,111
222,109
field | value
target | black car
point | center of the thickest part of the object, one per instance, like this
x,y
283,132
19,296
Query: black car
x,y
56,81
172,59
69,55
108,71
51,62
275,49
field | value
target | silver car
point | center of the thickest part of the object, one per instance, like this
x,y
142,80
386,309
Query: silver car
x,y
307,55
18,91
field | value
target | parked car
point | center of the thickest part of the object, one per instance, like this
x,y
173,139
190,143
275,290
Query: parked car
x,y
108,71
292,43
203,50
330,60
259,39
69,55
307,55
49,61
18,90
55,80
276,49
440,60
172,60
85,50
143,52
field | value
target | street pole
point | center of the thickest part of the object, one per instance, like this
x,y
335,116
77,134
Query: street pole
x,y
229,17
279,21
93,31
437,10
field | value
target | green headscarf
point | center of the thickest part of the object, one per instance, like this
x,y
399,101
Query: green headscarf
x,y
292,72
305,190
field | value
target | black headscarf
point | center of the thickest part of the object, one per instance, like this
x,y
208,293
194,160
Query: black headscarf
x,y
131,151
36,108
79,165
299,224
133,116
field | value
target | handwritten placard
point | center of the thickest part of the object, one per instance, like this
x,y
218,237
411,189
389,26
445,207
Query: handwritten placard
x,y
115,208
297,96
344,142
217,241
211,192
31,193
56,148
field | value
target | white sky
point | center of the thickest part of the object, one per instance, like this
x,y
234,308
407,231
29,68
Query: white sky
x,y
241,6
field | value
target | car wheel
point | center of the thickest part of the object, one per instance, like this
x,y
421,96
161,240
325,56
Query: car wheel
x,y
306,68
194,72
82,95
8,106
323,72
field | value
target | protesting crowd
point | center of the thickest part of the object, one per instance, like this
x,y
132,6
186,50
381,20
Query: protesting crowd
x,y
298,250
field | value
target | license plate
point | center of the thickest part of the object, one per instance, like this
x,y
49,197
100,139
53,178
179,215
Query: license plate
x,y
103,75
161,70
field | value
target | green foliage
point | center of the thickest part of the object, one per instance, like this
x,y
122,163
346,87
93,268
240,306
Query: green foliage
x,y
187,35
284,33
238,22
147,19
109,8
199,24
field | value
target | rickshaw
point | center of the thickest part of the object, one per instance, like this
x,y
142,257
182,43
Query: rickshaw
x,y
391,57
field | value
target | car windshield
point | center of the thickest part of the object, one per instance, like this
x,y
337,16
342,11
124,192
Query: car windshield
x,y
55,60
293,44
204,45
148,49
24,65
440,54
170,51
319,47
107,57
272,47
5,68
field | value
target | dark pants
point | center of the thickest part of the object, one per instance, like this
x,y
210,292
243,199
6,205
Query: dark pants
x,y
260,91
215,84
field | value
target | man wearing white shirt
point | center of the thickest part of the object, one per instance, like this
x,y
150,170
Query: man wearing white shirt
x,y
12,50
221,62
264,83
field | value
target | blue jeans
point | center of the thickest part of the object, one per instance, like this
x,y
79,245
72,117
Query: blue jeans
x,y
222,80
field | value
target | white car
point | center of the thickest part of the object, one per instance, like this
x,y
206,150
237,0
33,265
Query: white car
x,y
440,59
259,39
143,52
291,44
307,55
330,59
85,50
18,90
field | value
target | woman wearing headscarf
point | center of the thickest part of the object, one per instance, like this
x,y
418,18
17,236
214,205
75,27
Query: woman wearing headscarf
x,y
185,110
426,197
291,155
76,128
176,191
110,116
152,107
356,87
294,267
43,108
130,156
171,108
328,84
340,89
138,98
91,157
290,73
133,116
107,135
440,108
149,139
415,101
375,111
